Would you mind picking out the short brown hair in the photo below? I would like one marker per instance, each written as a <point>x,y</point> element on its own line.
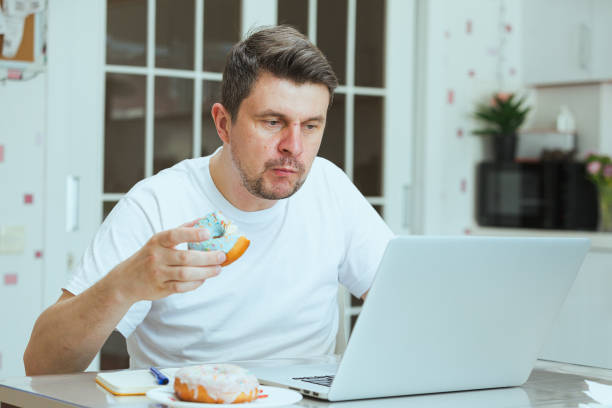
<point>280,50</point>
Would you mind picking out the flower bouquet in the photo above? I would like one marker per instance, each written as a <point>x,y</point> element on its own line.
<point>599,171</point>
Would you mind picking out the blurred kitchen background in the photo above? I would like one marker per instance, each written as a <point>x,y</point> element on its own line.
<point>97,95</point>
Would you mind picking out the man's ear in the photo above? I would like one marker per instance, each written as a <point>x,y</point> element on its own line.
<point>223,121</point>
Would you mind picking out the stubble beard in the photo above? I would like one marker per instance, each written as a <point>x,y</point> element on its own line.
<point>255,185</point>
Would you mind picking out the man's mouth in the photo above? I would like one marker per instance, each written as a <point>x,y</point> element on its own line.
<point>284,171</point>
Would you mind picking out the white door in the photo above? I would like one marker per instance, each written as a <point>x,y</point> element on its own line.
<point>154,69</point>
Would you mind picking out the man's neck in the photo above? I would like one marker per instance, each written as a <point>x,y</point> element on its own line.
<point>227,180</point>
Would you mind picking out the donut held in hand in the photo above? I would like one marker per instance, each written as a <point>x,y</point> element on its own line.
<point>216,384</point>
<point>225,237</point>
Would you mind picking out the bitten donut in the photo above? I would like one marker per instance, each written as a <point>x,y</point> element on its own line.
<point>216,384</point>
<point>224,237</point>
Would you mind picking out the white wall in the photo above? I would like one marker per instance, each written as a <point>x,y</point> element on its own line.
<point>23,139</point>
<point>468,50</point>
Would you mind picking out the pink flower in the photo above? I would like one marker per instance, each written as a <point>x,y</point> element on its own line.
<point>607,171</point>
<point>594,167</point>
<point>503,96</point>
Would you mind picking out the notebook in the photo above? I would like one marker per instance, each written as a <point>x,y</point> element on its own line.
<point>131,382</point>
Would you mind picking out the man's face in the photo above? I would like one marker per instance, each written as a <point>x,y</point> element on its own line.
<point>277,134</point>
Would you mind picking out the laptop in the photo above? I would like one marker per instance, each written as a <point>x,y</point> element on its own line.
<point>447,314</point>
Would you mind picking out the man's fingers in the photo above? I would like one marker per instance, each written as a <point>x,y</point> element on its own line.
<point>191,223</point>
<point>181,287</point>
<point>175,236</point>
<point>178,257</point>
<point>191,273</point>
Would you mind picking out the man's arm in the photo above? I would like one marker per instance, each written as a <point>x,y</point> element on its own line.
<point>67,336</point>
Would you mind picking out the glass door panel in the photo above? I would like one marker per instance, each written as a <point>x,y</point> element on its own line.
<point>210,139</point>
<point>124,132</point>
<point>369,43</point>
<point>368,149</point>
<point>221,31</point>
<point>107,207</point>
<point>331,34</point>
<point>294,13</point>
<point>333,143</point>
<point>126,32</point>
<point>174,34</point>
<point>173,140</point>
<point>379,210</point>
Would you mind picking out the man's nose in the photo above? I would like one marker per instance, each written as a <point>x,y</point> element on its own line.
<point>291,142</point>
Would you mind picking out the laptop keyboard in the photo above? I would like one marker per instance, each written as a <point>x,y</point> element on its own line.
<point>324,380</point>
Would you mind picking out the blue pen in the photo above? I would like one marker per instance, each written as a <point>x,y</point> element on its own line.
<point>159,376</point>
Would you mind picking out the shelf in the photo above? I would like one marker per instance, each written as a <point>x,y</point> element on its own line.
<point>600,241</point>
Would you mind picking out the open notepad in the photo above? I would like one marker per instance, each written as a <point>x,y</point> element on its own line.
<point>131,382</point>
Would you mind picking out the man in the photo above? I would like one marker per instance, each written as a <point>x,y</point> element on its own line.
<point>177,306</point>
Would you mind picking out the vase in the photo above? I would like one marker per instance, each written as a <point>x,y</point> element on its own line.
<point>605,208</point>
<point>504,147</point>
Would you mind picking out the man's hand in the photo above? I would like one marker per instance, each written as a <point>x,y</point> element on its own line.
<point>158,269</point>
<point>67,335</point>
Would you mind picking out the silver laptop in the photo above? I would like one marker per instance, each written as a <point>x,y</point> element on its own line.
<point>447,314</point>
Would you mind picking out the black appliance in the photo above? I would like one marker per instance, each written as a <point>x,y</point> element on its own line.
<point>550,195</point>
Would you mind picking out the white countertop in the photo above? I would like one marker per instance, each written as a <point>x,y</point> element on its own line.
<point>549,385</point>
<point>600,241</point>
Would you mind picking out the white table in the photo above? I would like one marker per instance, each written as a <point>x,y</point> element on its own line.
<point>550,385</point>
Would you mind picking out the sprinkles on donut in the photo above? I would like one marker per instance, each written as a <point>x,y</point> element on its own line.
<point>216,384</point>
<point>225,237</point>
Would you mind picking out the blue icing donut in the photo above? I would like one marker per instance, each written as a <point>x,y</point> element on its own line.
<point>223,233</point>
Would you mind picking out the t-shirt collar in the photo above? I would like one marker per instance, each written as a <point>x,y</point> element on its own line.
<point>233,213</point>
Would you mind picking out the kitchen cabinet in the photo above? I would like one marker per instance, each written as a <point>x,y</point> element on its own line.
<point>567,41</point>
<point>602,34</point>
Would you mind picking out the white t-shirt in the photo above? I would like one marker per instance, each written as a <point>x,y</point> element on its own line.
<point>278,300</point>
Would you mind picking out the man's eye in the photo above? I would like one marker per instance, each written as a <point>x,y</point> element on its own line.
<point>311,127</point>
<point>273,122</point>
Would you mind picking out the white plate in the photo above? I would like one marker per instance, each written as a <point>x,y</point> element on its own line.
<point>275,397</point>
